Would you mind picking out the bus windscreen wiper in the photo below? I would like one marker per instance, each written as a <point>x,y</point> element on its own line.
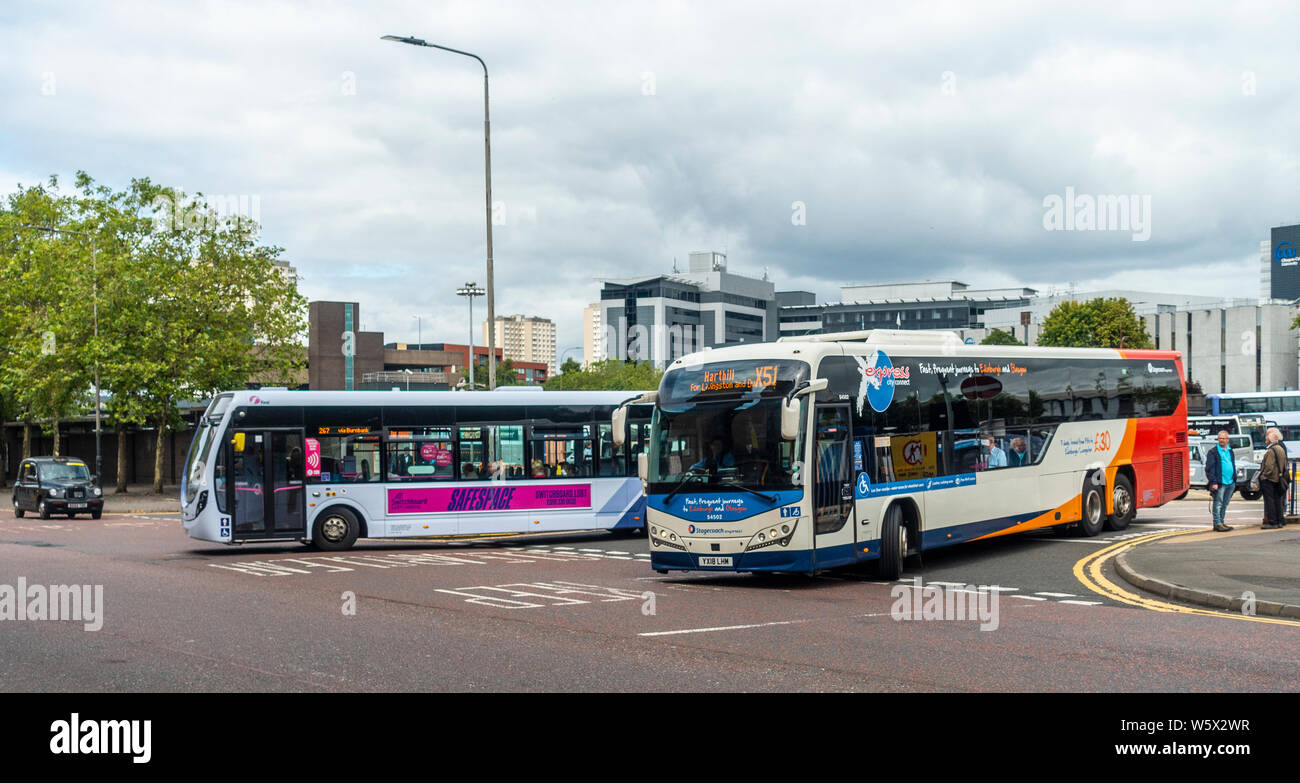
<point>734,485</point>
<point>689,475</point>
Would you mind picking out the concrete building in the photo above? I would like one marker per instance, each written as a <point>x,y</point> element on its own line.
<point>949,305</point>
<point>661,317</point>
<point>592,344</point>
<point>525,339</point>
<point>1235,346</point>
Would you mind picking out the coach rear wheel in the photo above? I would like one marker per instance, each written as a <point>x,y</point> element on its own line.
<point>1124,509</point>
<point>1094,510</point>
<point>335,530</point>
<point>893,544</point>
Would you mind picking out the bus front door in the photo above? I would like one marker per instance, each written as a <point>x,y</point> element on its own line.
<point>833,530</point>
<point>267,487</point>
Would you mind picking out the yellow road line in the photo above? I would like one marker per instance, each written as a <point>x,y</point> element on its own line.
<point>1089,572</point>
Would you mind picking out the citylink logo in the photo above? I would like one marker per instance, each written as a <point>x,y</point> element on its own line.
<point>1284,254</point>
<point>1154,370</point>
<point>879,377</point>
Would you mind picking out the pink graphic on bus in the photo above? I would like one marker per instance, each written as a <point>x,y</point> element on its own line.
<point>498,497</point>
<point>313,458</point>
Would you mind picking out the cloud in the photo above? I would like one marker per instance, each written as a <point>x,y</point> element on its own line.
<point>920,139</point>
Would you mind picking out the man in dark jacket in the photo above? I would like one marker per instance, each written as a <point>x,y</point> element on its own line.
<point>1221,477</point>
<point>1273,479</point>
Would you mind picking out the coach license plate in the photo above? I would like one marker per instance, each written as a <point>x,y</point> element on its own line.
<point>76,505</point>
<point>715,561</point>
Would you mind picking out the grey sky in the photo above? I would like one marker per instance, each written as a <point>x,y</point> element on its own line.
<point>922,139</point>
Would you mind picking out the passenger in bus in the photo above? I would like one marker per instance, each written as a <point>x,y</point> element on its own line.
<point>995,456</point>
<point>1018,457</point>
<point>539,470</point>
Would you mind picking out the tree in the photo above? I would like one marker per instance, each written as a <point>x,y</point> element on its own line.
<point>506,375</point>
<point>570,365</point>
<point>188,303</point>
<point>999,337</point>
<point>610,374</point>
<point>1096,323</point>
<point>45,321</point>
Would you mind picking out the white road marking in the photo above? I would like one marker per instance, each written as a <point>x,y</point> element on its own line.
<point>1055,595</point>
<point>723,628</point>
<point>1082,603</point>
<point>1029,597</point>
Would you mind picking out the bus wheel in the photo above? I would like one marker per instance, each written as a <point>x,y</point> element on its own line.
<point>1094,510</point>
<point>335,530</point>
<point>1125,508</point>
<point>893,544</point>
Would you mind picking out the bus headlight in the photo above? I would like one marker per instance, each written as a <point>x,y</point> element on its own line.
<point>772,537</point>
<point>664,537</point>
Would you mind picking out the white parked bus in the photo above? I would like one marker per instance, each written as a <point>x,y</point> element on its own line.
<point>329,467</point>
<point>825,451</point>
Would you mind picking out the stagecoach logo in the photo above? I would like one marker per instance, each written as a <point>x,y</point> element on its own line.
<point>879,377</point>
<point>1151,368</point>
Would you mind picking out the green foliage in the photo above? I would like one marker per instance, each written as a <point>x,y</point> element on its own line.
<point>188,304</point>
<point>1096,323</point>
<point>610,374</point>
<point>570,365</point>
<point>506,375</point>
<point>999,337</point>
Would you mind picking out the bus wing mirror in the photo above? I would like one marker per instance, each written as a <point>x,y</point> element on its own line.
<point>790,409</point>
<point>620,426</point>
<point>643,468</point>
<point>619,419</point>
<point>790,419</point>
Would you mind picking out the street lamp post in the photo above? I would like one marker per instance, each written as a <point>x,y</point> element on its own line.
<point>487,166</point>
<point>419,331</point>
<point>471,290</point>
<point>94,303</point>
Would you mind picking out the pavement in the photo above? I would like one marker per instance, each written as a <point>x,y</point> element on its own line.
<point>1218,570</point>
<point>141,499</point>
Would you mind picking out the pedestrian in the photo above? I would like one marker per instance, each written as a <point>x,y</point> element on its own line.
<point>1274,476</point>
<point>1221,476</point>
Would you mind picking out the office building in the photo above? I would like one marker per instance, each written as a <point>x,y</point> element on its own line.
<point>664,316</point>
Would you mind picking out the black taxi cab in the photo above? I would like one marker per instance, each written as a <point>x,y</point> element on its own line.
<point>57,485</point>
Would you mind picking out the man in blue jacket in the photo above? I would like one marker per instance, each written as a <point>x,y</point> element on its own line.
<point>1221,476</point>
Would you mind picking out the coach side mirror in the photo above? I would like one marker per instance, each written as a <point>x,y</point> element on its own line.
<point>790,410</point>
<point>619,433</point>
<point>643,467</point>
